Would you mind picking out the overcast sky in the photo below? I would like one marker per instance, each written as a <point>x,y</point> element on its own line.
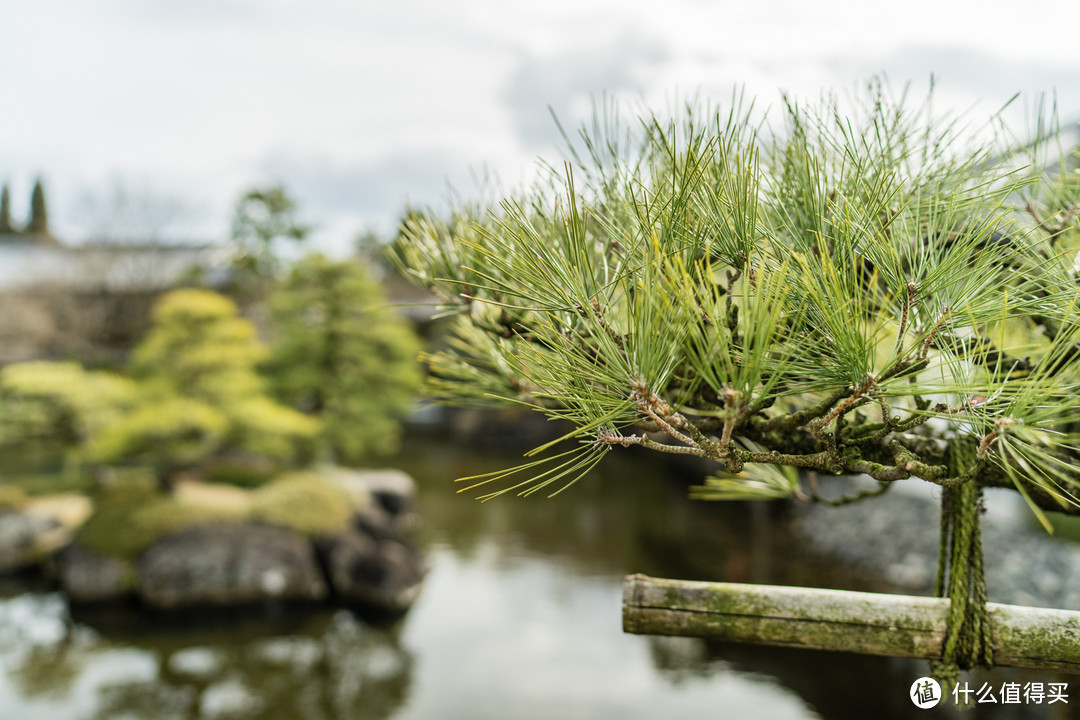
<point>359,107</point>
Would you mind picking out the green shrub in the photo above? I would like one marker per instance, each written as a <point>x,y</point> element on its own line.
<point>263,427</point>
<point>199,393</point>
<point>174,431</point>
<point>245,471</point>
<point>60,400</point>
<point>11,497</point>
<point>130,517</point>
<point>304,502</point>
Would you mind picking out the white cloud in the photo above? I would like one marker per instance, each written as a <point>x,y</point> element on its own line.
<point>204,94</point>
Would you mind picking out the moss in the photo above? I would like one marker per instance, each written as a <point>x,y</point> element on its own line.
<point>246,472</point>
<point>11,497</point>
<point>130,517</point>
<point>304,502</point>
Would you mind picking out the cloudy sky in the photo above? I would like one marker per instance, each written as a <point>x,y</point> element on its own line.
<point>151,116</point>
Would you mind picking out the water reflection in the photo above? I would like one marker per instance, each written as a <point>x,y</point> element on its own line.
<point>329,665</point>
<point>519,619</point>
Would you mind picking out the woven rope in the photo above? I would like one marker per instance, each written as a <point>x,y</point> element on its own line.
<point>961,573</point>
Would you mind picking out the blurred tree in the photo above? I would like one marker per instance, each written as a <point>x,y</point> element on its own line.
<point>264,219</point>
<point>61,402</point>
<point>5,211</point>
<point>343,356</point>
<point>39,214</point>
<point>200,394</point>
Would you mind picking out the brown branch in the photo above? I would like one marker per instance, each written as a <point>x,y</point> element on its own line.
<point>611,438</point>
<point>860,392</point>
<point>909,301</point>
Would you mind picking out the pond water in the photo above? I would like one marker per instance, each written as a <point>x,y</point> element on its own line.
<point>519,618</point>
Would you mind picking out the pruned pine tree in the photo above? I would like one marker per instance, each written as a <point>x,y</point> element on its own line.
<point>881,292</point>
<point>200,395</point>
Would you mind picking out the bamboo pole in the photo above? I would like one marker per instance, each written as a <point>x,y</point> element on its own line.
<point>866,623</point>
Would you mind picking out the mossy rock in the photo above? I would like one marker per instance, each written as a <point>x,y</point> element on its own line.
<point>130,517</point>
<point>305,502</point>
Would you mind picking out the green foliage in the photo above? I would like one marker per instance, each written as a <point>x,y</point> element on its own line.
<point>60,401</point>
<point>129,517</point>
<point>199,347</point>
<point>11,497</point>
<point>244,471</point>
<point>810,298</point>
<point>5,211</point>
<point>304,502</point>
<point>39,215</point>
<point>200,393</point>
<point>133,514</point>
<point>343,356</point>
<point>173,431</point>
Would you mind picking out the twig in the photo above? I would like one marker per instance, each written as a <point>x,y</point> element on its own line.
<point>730,419</point>
<point>861,391</point>
<point>652,406</point>
<point>912,293</point>
<point>990,437</point>
<point>613,438</point>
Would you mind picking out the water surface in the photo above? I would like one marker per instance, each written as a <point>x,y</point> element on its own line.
<point>519,619</point>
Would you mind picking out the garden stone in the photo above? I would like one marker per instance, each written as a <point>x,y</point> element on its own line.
<point>373,568</point>
<point>88,577</point>
<point>26,540</point>
<point>229,565</point>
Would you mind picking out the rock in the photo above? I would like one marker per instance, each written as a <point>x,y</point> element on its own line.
<point>88,577</point>
<point>68,509</point>
<point>375,570</point>
<point>392,489</point>
<point>386,497</point>
<point>374,565</point>
<point>27,539</point>
<point>229,565</point>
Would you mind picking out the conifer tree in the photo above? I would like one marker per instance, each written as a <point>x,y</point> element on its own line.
<point>39,214</point>
<point>5,211</point>
<point>199,393</point>
<point>341,355</point>
<point>874,292</point>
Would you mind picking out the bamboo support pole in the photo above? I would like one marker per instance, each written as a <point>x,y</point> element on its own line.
<point>867,623</point>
